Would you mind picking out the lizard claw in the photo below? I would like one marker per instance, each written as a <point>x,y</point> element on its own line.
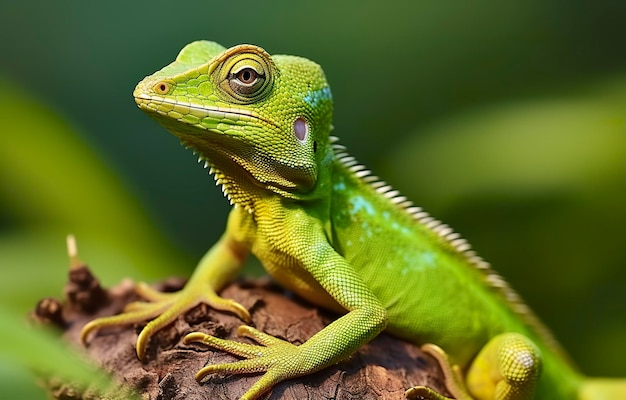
<point>277,358</point>
<point>164,308</point>
<point>452,377</point>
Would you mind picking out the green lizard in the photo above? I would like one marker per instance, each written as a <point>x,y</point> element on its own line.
<point>325,228</point>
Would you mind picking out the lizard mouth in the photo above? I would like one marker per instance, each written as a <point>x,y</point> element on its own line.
<point>207,117</point>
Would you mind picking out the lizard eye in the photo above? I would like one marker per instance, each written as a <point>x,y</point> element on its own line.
<point>243,74</point>
<point>246,81</point>
<point>247,76</point>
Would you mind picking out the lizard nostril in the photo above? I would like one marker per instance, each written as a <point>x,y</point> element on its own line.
<point>161,88</point>
<point>300,129</point>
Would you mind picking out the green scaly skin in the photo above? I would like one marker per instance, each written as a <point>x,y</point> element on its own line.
<point>327,230</point>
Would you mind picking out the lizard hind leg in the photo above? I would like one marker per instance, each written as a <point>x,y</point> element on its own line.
<point>507,368</point>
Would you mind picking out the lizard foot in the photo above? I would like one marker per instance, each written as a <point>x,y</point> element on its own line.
<point>277,358</point>
<point>164,308</point>
<point>452,377</point>
<point>424,393</point>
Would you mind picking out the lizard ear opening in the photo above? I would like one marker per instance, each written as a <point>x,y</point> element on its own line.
<point>300,129</point>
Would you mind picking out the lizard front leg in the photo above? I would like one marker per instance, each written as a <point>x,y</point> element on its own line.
<point>507,368</point>
<point>279,360</point>
<point>218,267</point>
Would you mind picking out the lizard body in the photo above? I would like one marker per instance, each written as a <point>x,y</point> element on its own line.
<point>328,230</point>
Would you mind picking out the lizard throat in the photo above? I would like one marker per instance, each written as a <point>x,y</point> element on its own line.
<point>243,189</point>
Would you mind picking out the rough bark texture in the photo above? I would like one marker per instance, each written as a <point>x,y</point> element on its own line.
<point>382,369</point>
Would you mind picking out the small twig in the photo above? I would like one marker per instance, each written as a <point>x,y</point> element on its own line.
<point>72,252</point>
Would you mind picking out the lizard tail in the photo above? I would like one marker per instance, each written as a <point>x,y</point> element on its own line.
<point>603,389</point>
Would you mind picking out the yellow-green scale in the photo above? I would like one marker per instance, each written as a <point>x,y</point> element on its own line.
<point>409,267</point>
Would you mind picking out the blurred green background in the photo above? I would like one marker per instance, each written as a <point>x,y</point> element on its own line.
<point>505,119</point>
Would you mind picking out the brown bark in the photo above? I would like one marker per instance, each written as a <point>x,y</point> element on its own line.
<point>382,369</point>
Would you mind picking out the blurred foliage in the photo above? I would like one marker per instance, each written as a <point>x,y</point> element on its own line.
<point>539,188</point>
<point>504,119</point>
<point>51,184</point>
<point>40,352</point>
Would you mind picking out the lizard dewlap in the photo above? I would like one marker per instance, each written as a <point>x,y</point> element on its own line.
<point>327,229</point>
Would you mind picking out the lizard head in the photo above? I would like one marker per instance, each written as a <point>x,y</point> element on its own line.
<point>256,119</point>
